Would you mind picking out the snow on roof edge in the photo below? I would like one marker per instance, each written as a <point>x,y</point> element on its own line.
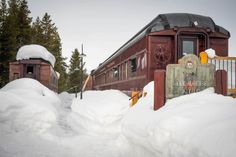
<point>35,51</point>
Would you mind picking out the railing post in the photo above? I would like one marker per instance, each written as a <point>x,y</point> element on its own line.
<point>221,82</point>
<point>159,88</point>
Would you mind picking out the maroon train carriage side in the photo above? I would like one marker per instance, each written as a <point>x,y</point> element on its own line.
<point>164,40</point>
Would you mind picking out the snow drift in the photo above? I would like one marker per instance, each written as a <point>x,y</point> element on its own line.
<point>35,51</point>
<point>27,105</point>
<point>197,125</point>
<point>100,110</point>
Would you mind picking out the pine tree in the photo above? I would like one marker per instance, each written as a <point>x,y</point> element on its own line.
<point>15,32</point>
<point>75,70</point>
<point>9,31</point>
<point>37,32</point>
<point>45,33</point>
<point>3,14</point>
<point>60,64</point>
<point>24,24</point>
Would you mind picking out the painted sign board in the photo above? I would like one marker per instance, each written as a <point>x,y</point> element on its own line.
<point>188,76</point>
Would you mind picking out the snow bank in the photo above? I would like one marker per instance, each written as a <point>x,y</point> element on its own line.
<point>35,51</point>
<point>27,105</point>
<point>102,124</point>
<point>198,124</point>
<point>100,110</point>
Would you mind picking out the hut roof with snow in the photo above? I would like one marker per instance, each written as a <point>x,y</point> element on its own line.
<point>35,51</point>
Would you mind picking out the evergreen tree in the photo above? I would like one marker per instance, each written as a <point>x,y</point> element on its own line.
<point>45,34</point>
<point>15,32</point>
<point>24,24</point>
<point>75,70</point>
<point>37,32</point>
<point>60,64</point>
<point>3,14</point>
<point>8,38</point>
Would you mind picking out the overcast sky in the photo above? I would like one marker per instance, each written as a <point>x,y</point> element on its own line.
<point>105,25</point>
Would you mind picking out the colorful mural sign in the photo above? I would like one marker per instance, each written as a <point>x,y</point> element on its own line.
<point>188,76</point>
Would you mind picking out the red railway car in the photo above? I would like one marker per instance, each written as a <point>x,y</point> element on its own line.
<point>163,41</point>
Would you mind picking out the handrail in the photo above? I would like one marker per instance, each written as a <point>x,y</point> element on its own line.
<point>223,58</point>
<point>228,64</point>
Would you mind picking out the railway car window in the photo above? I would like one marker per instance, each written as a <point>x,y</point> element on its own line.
<point>188,47</point>
<point>126,70</point>
<point>133,65</point>
<point>30,69</point>
<point>138,62</point>
<point>116,72</point>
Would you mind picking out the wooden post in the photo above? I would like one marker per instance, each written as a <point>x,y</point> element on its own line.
<point>221,82</point>
<point>159,88</point>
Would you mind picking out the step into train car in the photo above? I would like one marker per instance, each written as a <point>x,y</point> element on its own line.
<point>163,41</point>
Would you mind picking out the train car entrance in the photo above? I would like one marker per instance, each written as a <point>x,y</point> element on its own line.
<point>191,44</point>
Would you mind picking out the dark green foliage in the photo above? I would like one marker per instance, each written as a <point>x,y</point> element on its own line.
<point>75,71</point>
<point>45,34</point>
<point>37,32</point>
<point>8,37</point>
<point>3,67</point>
<point>24,24</point>
<point>16,30</point>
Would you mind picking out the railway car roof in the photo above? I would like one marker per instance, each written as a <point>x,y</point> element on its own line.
<point>169,21</point>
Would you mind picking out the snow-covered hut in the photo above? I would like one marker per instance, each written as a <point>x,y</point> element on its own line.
<point>34,61</point>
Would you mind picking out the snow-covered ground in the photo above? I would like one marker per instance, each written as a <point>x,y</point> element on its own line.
<point>35,121</point>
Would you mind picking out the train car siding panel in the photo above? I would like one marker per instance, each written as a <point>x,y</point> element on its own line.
<point>128,66</point>
<point>161,53</point>
<point>220,45</point>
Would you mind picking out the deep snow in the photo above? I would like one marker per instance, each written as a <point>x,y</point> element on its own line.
<point>35,121</point>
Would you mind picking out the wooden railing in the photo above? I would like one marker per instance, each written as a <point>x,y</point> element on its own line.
<point>228,64</point>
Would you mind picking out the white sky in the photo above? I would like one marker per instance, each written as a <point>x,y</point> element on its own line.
<point>105,25</point>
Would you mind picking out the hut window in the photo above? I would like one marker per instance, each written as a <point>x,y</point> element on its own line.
<point>133,65</point>
<point>15,76</point>
<point>30,69</point>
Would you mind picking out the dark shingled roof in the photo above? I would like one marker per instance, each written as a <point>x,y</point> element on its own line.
<point>167,21</point>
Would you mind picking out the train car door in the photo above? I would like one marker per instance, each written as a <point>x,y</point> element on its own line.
<point>191,44</point>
